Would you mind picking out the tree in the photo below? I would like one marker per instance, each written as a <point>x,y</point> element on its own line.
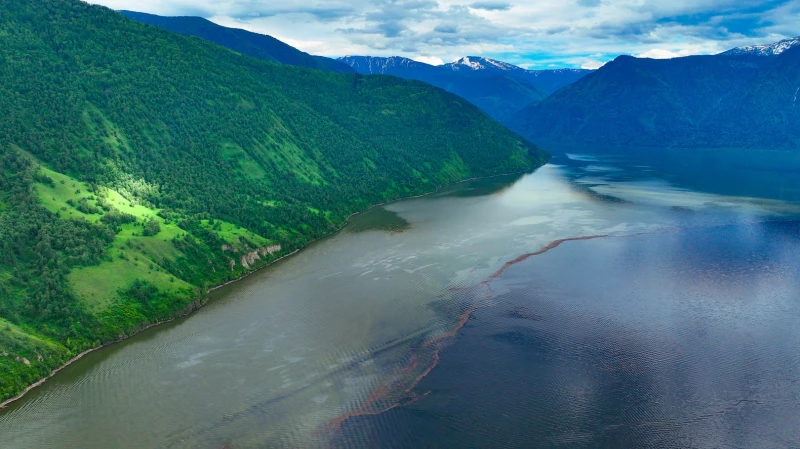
<point>152,227</point>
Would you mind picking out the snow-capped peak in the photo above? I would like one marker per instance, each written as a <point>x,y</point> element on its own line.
<point>478,63</point>
<point>767,49</point>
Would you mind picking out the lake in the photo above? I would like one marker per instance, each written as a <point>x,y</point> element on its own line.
<point>441,321</point>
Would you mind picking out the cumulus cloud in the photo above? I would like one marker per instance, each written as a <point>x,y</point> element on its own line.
<point>592,64</point>
<point>491,6</point>
<point>446,28</point>
<point>432,60</point>
<point>532,33</point>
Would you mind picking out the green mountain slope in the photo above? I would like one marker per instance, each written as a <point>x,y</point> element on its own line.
<point>763,113</point>
<point>138,168</point>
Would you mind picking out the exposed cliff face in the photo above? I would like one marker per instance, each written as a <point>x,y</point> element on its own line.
<point>249,259</point>
<point>271,249</point>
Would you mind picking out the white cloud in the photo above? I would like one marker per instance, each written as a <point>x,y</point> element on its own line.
<point>679,50</point>
<point>432,60</point>
<point>592,64</point>
<point>535,33</point>
<point>660,53</point>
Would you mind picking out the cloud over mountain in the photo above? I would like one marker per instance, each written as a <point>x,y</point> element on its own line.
<point>536,34</point>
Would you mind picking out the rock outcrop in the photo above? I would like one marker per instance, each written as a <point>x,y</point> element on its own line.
<point>249,259</point>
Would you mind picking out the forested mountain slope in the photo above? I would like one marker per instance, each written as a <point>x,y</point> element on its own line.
<point>139,167</point>
<point>762,113</point>
<point>252,44</point>
<point>636,101</point>
<point>498,94</point>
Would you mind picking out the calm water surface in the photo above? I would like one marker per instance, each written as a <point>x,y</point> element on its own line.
<point>677,329</point>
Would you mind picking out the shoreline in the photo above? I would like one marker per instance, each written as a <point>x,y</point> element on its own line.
<point>198,304</point>
<point>193,307</point>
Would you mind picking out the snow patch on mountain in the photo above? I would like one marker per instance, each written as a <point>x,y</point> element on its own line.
<point>478,63</point>
<point>375,65</point>
<point>773,49</point>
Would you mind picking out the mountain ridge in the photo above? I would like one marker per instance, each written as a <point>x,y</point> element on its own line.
<point>772,49</point>
<point>500,91</point>
<point>257,45</point>
<point>496,94</point>
<point>547,80</point>
<point>660,103</point>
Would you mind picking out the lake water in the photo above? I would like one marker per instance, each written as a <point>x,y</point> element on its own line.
<point>420,325</point>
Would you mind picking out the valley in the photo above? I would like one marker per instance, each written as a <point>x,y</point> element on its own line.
<point>212,238</point>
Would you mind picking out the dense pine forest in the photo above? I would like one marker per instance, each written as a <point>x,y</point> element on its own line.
<point>138,168</point>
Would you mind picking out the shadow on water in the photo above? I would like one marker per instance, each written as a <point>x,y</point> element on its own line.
<point>377,219</point>
<point>382,219</point>
<point>479,187</point>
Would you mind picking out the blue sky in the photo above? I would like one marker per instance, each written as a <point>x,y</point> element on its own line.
<point>534,34</point>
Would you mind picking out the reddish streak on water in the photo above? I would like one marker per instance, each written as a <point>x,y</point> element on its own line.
<point>371,405</point>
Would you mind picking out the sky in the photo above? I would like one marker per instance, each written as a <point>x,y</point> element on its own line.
<point>535,34</point>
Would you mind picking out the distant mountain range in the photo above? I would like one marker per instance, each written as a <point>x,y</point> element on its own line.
<point>499,88</point>
<point>548,81</point>
<point>773,49</point>
<point>745,97</point>
<point>251,44</point>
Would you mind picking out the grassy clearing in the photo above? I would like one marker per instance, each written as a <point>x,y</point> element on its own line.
<point>117,200</point>
<point>97,286</point>
<point>56,197</point>
<point>65,190</point>
<point>133,255</point>
<point>157,247</point>
<point>235,235</point>
<point>13,336</point>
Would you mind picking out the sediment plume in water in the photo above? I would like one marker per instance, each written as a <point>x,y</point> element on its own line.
<point>400,391</point>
